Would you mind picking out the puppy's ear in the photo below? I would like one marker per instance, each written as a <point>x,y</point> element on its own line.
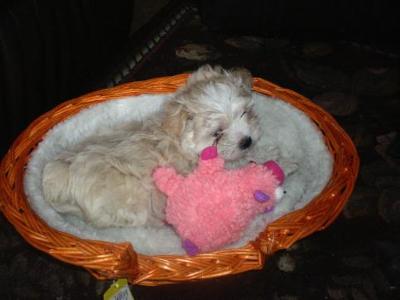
<point>243,78</point>
<point>205,72</point>
<point>176,118</point>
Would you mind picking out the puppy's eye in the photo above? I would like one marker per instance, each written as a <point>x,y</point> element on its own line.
<point>244,113</point>
<point>218,133</point>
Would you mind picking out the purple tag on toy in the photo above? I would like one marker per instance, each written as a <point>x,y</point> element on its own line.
<point>190,248</point>
<point>209,153</point>
<point>261,196</point>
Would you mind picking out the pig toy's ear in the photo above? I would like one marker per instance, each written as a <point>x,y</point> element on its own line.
<point>167,180</point>
<point>209,153</point>
<point>209,161</point>
<point>276,170</point>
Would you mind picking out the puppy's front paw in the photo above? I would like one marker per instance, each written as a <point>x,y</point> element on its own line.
<point>288,166</point>
<point>261,155</point>
<point>273,153</point>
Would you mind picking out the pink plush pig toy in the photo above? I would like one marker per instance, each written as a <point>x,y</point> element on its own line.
<point>212,206</point>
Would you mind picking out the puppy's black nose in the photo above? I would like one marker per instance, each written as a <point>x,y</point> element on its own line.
<point>245,143</point>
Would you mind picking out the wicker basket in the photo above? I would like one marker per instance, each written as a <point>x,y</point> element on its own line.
<point>111,260</point>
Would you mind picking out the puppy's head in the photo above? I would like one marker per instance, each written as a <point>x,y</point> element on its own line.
<point>215,107</point>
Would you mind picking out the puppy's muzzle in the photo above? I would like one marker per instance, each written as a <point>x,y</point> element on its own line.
<point>245,143</point>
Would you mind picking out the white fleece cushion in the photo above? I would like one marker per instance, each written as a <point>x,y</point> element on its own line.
<point>284,126</point>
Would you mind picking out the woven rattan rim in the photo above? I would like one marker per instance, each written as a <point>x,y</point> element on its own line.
<point>110,260</point>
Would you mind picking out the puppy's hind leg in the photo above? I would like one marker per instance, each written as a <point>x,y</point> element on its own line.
<point>55,184</point>
<point>116,200</point>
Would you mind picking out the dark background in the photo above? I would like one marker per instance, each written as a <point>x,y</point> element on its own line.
<point>51,51</point>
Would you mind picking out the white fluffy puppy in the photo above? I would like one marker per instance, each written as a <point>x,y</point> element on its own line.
<point>107,179</point>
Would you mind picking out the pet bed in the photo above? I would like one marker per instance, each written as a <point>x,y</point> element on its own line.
<point>112,260</point>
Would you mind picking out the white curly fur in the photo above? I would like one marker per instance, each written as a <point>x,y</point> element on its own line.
<point>106,178</point>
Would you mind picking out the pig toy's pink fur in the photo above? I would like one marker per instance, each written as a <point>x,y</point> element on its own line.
<point>212,206</point>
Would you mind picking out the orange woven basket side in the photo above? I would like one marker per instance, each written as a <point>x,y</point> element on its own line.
<point>324,208</point>
<point>112,260</point>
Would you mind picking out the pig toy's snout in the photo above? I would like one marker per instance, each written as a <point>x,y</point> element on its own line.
<point>278,193</point>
